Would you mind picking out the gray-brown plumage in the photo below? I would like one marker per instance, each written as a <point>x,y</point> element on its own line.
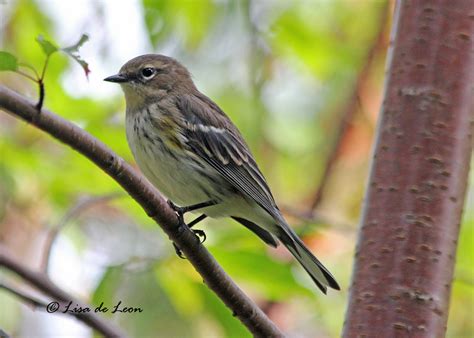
<point>190,150</point>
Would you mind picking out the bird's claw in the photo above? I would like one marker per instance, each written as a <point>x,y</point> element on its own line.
<point>178,251</point>
<point>178,210</point>
<point>174,206</point>
<point>201,234</point>
<point>202,238</point>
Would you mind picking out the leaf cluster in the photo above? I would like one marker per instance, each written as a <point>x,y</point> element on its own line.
<point>9,62</point>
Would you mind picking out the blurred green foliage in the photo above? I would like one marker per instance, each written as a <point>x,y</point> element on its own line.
<point>283,71</point>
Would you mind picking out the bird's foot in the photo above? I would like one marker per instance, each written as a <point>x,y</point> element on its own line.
<point>201,236</point>
<point>183,210</point>
<point>178,251</point>
<point>180,213</point>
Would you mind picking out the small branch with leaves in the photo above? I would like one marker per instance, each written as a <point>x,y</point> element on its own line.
<point>9,62</point>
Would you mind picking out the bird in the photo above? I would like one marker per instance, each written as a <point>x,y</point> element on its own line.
<point>190,150</point>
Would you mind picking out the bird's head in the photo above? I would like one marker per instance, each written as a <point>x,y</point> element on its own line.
<point>151,77</point>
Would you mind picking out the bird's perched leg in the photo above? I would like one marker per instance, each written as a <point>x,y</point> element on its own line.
<point>180,211</point>
<point>199,233</point>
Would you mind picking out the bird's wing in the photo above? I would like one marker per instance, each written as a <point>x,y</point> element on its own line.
<point>212,136</point>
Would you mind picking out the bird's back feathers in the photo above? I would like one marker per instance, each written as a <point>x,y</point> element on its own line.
<point>220,144</point>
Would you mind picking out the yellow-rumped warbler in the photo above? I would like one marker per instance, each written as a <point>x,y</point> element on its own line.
<point>190,150</point>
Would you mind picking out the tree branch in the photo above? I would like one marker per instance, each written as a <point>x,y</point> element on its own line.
<point>3,334</point>
<point>42,282</point>
<point>308,221</point>
<point>350,109</point>
<point>79,207</point>
<point>32,301</point>
<point>153,204</point>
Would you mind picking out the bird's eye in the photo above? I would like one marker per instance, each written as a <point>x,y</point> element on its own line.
<point>148,72</point>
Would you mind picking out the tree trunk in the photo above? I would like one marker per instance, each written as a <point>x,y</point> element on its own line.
<point>410,225</point>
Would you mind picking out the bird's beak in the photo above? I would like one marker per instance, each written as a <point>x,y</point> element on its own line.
<point>118,78</point>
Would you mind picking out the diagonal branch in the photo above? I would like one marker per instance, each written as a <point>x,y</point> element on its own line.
<point>151,202</point>
<point>30,300</point>
<point>352,106</point>
<point>3,334</point>
<point>42,282</point>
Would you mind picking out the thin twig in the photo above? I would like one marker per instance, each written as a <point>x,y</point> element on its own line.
<point>43,72</point>
<point>351,108</point>
<point>309,220</point>
<point>39,105</point>
<point>152,203</point>
<point>26,75</point>
<point>33,69</point>
<point>73,212</point>
<point>35,303</point>
<point>42,282</point>
<point>40,81</point>
<point>3,334</point>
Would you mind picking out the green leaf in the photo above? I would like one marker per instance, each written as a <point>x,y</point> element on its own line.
<point>73,52</point>
<point>47,46</point>
<point>8,61</point>
<point>75,48</point>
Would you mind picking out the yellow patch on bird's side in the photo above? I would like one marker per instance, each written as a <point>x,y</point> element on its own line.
<point>169,130</point>
<point>173,142</point>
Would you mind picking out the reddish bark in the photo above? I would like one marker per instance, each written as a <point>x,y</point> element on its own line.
<point>410,225</point>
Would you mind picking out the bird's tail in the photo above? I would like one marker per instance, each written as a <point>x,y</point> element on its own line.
<point>320,275</point>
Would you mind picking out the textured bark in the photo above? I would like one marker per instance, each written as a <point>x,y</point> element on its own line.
<point>406,249</point>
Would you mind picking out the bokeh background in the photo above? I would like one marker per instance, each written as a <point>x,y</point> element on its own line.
<point>301,79</point>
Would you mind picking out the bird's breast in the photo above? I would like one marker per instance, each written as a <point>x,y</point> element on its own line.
<point>162,158</point>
